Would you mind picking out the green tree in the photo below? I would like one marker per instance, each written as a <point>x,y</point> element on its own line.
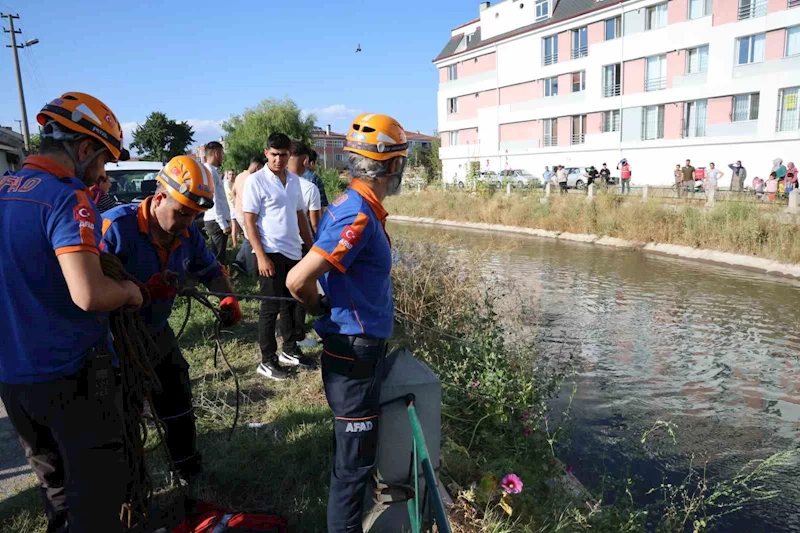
<point>246,134</point>
<point>36,143</point>
<point>161,139</point>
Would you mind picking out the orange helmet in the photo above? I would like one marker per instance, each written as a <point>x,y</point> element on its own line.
<point>86,115</point>
<point>377,137</point>
<point>190,183</point>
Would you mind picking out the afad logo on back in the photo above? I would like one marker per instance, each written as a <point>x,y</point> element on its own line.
<point>85,216</point>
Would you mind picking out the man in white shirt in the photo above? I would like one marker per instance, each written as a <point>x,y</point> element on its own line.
<point>298,163</point>
<point>217,220</point>
<point>276,225</point>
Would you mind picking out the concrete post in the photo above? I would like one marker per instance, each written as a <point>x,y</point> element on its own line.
<point>711,194</point>
<point>508,189</point>
<point>419,187</point>
<point>546,197</point>
<point>591,193</point>
<point>794,199</point>
<point>645,190</point>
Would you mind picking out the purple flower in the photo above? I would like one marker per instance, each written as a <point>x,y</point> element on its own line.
<point>512,484</point>
<point>474,384</point>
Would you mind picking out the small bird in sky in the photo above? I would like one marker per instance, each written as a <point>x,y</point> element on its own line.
<point>358,48</point>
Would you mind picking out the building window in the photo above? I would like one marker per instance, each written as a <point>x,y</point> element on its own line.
<point>656,73</point>
<point>578,81</point>
<point>653,122</point>
<point>699,8</point>
<point>319,143</point>
<point>452,105</point>
<point>694,118</point>
<point>452,72</point>
<point>611,121</point>
<point>788,115</point>
<point>793,41</point>
<point>551,132</point>
<point>750,49</point>
<point>656,17</point>
<point>614,28</point>
<point>542,9</point>
<point>794,3</point>
<point>453,138</point>
<point>470,38</point>
<point>697,60</point>
<point>551,86</point>
<point>550,48</point>
<point>752,8</point>
<point>578,129</point>
<point>745,107</point>
<point>612,74</point>
<point>580,42</point>
<point>338,143</point>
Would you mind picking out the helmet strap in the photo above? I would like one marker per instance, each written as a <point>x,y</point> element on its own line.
<point>80,168</point>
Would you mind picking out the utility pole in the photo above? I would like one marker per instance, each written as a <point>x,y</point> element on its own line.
<point>26,135</point>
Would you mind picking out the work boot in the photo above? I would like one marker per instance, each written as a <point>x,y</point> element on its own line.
<point>272,369</point>
<point>294,357</point>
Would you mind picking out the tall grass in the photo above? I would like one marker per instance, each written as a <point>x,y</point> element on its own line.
<point>737,227</point>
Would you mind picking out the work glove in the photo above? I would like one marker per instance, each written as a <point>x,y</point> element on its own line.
<point>163,286</point>
<point>229,312</point>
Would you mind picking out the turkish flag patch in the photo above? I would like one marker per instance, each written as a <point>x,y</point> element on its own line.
<point>83,213</point>
<point>349,237</point>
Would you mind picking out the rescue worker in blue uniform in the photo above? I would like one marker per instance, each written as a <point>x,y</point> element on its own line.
<point>158,243</point>
<point>352,259</point>
<point>57,377</point>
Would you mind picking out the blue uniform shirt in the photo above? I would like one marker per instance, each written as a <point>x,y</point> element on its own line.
<point>126,234</point>
<point>353,239</point>
<point>44,213</point>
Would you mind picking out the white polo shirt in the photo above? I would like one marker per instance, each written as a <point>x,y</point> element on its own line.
<point>220,213</point>
<point>311,198</point>
<point>276,207</point>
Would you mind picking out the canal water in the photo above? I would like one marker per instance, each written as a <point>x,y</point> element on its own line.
<point>711,349</point>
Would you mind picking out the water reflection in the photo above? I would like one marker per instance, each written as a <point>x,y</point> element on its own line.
<point>709,347</point>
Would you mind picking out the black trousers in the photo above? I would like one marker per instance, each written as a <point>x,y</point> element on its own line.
<point>73,442</point>
<point>352,373</point>
<point>288,327</point>
<point>219,241</point>
<point>173,404</point>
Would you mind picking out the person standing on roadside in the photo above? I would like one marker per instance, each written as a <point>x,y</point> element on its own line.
<point>791,178</point>
<point>245,260</point>
<point>276,225</point>
<point>712,177</point>
<point>562,179</point>
<point>591,175</point>
<point>625,175</point>
<point>352,259</point>
<point>217,219</point>
<point>772,186</point>
<point>739,174</point>
<point>547,176</point>
<point>688,176</point>
<point>298,159</point>
<point>228,182</point>
<point>311,175</point>
<point>605,174</point>
<point>678,176</point>
<point>57,377</point>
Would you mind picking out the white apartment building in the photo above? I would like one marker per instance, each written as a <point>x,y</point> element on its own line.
<point>584,82</point>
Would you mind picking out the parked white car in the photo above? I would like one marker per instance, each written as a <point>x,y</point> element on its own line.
<point>520,178</point>
<point>128,178</point>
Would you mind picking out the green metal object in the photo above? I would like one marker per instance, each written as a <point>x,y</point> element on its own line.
<point>421,456</point>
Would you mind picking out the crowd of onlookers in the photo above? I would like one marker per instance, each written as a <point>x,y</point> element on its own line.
<point>781,181</point>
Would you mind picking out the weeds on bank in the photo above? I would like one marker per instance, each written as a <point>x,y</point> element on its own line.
<point>737,227</point>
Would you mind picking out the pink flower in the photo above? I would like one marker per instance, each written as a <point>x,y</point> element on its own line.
<point>512,484</point>
<point>474,384</point>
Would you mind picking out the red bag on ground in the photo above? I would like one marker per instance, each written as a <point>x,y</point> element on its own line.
<point>212,519</point>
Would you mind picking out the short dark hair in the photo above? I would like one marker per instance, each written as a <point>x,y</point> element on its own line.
<point>312,156</point>
<point>49,145</point>
<point>773,174</point>
<point>258,159</point>
<point>298,148</point>
<point>279,141</point>
<point>213,146</point>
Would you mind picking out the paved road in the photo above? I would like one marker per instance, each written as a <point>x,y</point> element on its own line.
<point>15,474</point>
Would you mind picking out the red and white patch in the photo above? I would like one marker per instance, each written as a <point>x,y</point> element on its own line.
<point>84,215</point>
<point>175,171</point>
<point>349,237</point>
<point>110,120</point>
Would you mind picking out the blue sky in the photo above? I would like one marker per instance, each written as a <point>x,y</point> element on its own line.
<point>205,60</point>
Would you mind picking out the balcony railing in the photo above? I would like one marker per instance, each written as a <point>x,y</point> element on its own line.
<point>577,53</point>
<point>655,84</point>
<point>788,124</point>
<point>794,3</point>
<point>753,10</point>
<point>610,125</point>
<point>550,140</point>
<point>578,138</point>
<point>550,59</point>
<point>611,90</point>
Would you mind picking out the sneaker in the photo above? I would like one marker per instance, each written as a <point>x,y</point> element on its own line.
<point>297,359</point>
<point>236,266</point>
<point>272,371</point>
<point>308,343</point>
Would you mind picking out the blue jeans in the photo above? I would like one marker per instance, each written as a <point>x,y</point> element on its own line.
<point>626,184</point>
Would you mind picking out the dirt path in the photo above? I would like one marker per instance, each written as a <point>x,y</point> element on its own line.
<point>15,474</point>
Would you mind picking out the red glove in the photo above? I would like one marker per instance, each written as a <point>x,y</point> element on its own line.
<point>160,288</point>
<point>230,313</point>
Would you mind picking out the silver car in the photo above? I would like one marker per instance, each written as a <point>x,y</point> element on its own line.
<point>520,178</point>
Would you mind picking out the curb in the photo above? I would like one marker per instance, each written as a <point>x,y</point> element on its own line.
<point>757,264</point>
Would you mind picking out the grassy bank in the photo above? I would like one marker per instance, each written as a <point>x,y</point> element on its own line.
<point>737,227</point>
<point>495,421</point>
